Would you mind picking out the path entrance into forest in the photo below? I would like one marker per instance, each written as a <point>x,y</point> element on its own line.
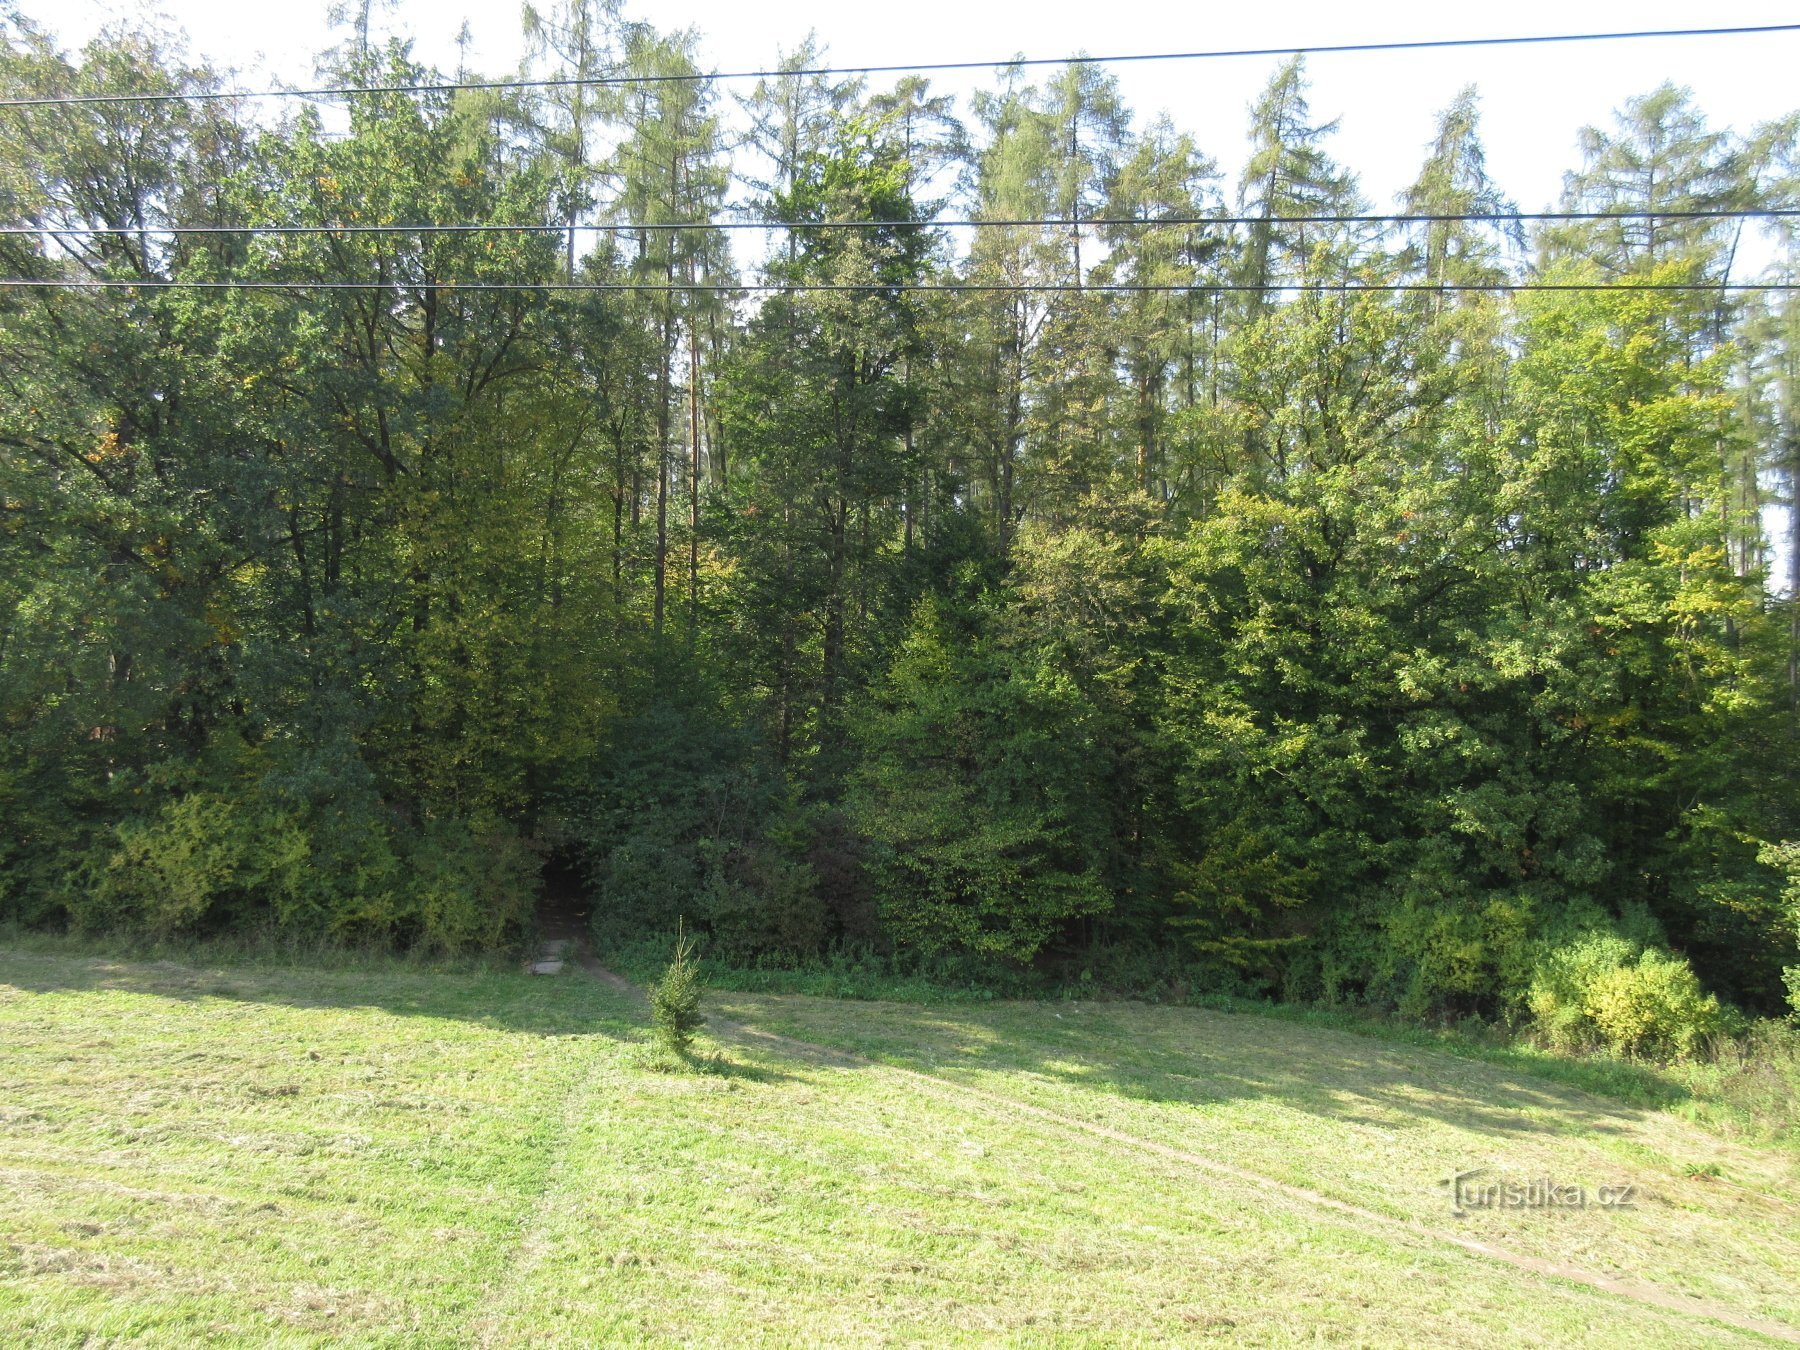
<point>562,919</point>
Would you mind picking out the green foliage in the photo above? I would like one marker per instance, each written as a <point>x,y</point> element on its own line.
<point>686,815</point>
<point>972,788</point>
<point>675,1014</point>
<point>1602,989</point>
<point>205,861</point>
<point>1785,857</point>
<point>1344,644</point>
<point>472,887</point>
<point>171,869</point>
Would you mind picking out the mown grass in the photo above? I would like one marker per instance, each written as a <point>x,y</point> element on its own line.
<point>1745,1088</point>
<point>1370,1123</point>
<point>202,1153</point>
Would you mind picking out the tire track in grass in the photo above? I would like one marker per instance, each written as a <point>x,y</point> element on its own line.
<point>1300,1197</point>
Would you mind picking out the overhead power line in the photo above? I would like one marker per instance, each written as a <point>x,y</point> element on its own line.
<point>1049,222</point>
<point>563,82</point>
<point>1011,288</point>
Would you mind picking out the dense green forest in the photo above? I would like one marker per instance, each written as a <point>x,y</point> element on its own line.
<point>1130,582</point>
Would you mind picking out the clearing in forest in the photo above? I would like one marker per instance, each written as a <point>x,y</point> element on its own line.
<point>224,1154</point>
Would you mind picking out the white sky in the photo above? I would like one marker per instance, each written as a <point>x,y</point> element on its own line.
<point>1534,98</point>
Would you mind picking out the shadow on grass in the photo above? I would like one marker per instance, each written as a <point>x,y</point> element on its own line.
<point>649,1057</point>
<point>718,1066</point>
<point>1153,1053</point>
<point>1202,1058</point>
<point>1752,1100</point>
<point>498,997</point>
<point>1180,1054</point>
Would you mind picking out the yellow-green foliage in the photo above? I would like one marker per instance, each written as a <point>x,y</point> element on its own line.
<point>472,885</point>
<point>204,857</point>
<point>171,867</point>
<point>1603,990</point>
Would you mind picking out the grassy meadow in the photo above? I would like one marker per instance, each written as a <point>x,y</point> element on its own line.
<point>204,1153</point>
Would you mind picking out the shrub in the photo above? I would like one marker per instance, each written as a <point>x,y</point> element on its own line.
<point>332,869</point>
<point>685,814</point>
<point>675,1001</point>
<point>759,902</point>
<point>170,868</point>
<point>1602,990</point>
<point>976,787</point>
<point>473,883</point>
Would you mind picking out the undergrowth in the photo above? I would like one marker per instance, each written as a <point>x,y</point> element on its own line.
<point>260,949</point>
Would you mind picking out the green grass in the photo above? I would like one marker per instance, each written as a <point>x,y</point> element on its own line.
<point>225,1153</point>
<point>1746,1088</point>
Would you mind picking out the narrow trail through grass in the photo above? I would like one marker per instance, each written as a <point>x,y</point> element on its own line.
<point>1307,1199</point>
<point>498,1320</point>
<point>215,1154</point>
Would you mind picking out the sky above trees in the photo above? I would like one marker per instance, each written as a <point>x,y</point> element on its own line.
<point>1534,99</point>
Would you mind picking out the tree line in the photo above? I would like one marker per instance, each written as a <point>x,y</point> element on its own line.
<point>1212,577</point>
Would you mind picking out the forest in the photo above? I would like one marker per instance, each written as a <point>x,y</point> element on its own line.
<point>1049,551</point>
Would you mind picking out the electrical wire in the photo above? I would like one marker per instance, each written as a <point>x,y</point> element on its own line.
<point>1013,288</point>
<point>1048,222</point>
<point>685,77</point>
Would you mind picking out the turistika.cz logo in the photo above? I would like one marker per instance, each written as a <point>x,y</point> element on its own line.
<point>1479,1189</point>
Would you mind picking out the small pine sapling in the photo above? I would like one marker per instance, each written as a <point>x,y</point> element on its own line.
<point>675,1001</point>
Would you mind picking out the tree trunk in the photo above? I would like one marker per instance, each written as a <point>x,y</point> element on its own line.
<point>693,478</point>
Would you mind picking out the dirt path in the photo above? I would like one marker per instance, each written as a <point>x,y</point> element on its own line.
<point>1299,1196</point>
